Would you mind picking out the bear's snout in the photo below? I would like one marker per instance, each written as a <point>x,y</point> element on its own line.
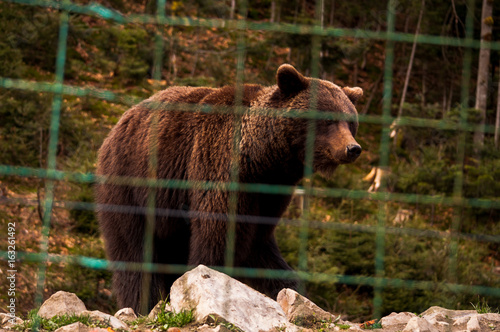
<point>352,152</point>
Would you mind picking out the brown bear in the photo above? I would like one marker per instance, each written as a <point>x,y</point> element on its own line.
<point>190,224</point>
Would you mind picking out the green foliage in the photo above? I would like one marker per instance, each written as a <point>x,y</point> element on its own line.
<point>343,326</point>
<point>372,326</point>
<point>11,63</point>
<point>196,81</point>
<point>34,322</point>
<point>24,131</point>
<point>166,319</point>
<point>24,127</point>
<point>84,218</point>
<point>482,307</point>
<point>29,37</point>
<point>430,176</point>
<point>340,251</point>
<point>132,65</point>
<point>216,320</point>
<point>231,327</point>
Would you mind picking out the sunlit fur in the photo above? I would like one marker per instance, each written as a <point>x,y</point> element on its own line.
<point>190,224</point>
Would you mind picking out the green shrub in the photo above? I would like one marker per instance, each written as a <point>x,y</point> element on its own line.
<point>85,219</point>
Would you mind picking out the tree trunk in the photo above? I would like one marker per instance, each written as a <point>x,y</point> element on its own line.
<point>322,18</point>
<point>497,122</point>
<point>296,14</point>
<point>444,101</point>
<point>332,12</point>
<point>233,9</point>
<point>408,71</point>
<point>372,94</point>
<point>278,15</point>
<point>482,73</point>
<point>450,98</point>
<point>273,9</point>
<point>424,86</point>
<point>355,74</point>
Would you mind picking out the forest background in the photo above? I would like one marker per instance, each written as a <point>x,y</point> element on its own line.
<point>427,83</point>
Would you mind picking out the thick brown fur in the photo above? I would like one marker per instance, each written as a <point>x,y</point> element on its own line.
<point>190,225</point>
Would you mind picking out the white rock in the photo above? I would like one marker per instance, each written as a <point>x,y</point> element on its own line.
<point>451,314</point>
<point>126,315</point>
<point>442,324</point>
<point>397,319</point>
<point>75,327</point>
<point>489,317</point>
<point>8,321</point>
<point>105,318</point>
<point>299,309</point>
<point>208,328</point>
<point>61,303</point>
<point>158,307</point>
<point>463,319</point>
<point>418,324</point>
<point>213,293</point>
<point>437,317</point>
<point>473,325</point>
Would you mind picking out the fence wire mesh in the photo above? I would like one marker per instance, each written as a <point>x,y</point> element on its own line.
<point>50,174</point>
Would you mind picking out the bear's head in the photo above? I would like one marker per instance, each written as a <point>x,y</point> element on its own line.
<point>335,143</point>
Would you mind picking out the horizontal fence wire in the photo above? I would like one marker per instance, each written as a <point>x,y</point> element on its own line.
<point>407,121</point>
<point>100,11</point>
<point>379,282</point>
<point>317,224</point>
<point>247,187</point>
<point>103,264</point>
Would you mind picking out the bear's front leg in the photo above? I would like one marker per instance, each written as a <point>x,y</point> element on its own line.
<point>265,254</point>
<point>208,242</point>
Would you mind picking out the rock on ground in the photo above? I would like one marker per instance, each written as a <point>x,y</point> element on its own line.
<point>158,307</point>
<point>208,328</point>
<point>393,319</point>
<point>217,298</point>
<point>106,318</point>
<point>75,327</point>
<point>300,310</point>
<point>7,321</point>
<point>418,324</point>
<point>61,303</point>
<point>126,315</point>
<point>215,295</point>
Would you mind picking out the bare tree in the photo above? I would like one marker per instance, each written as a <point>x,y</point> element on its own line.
<point>497,121</point>
<point>273,9</point>
<point>332,12</point>
<point>410,65</point>
<point>233,9</point>
<point>483,70</point>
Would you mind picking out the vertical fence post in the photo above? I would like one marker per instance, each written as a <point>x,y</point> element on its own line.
<point>461,142</point>
<point>52,154</point>
<point>384,160</point>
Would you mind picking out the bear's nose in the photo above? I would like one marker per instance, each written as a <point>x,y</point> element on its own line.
<point>353,151</point>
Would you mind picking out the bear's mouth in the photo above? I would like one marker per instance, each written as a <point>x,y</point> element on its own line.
<point>325,169</point>
<point>341,157</point>
<point>325,162</point>
<point>335,156</point>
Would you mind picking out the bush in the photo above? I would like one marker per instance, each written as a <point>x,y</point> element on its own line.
<point>85,220</point>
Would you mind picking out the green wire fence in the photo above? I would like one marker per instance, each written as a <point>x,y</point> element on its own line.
<point>379,282</point>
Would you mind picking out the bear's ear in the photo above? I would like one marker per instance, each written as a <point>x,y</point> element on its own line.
<point>353,93</point>
<point>289,80</point>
